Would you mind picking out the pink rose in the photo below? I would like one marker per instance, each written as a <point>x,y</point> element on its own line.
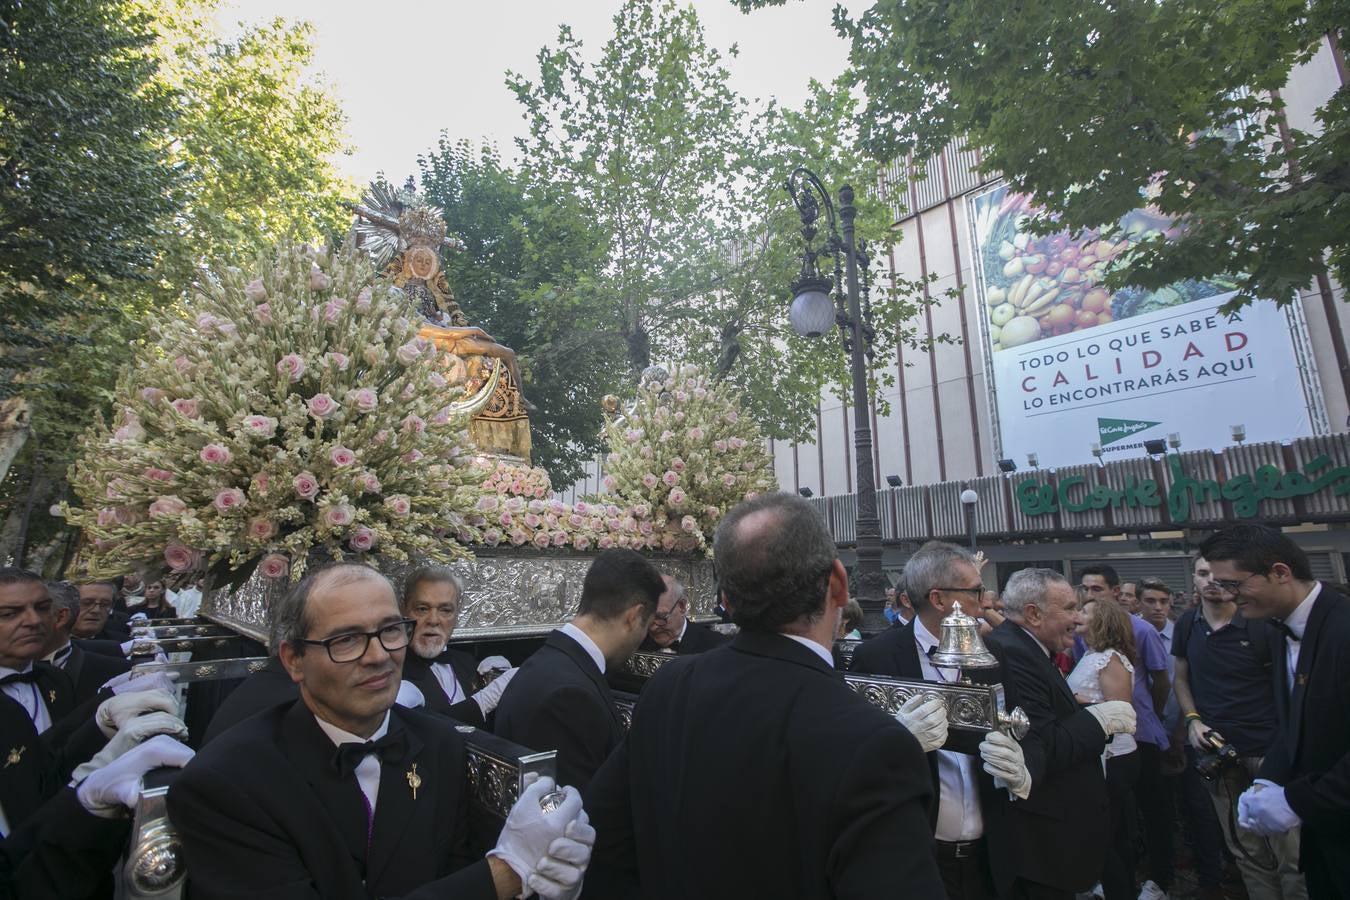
<point>318,281</point>
<point>215,455</point>
<point>542,539</point>
<point>260,483</point>
<point>227,328</point>
<point>321,406</point>
<point>486,504</point>
<point>532,520</point>
<point>728,480</point>
<point>696,433</point>
<point>732,416</point>
<point>381,437</point>
<point>166,506</point>
<point>260,426</point>
<point>677,464</point>
<point>644,527</point>
<point>339,361</point>
<point>183,364</point>
<point>186,407</point>
<point>720,446</point>
<point>649,481</point>
<point>274,566</point>
<point>338,516</point>
<point>152,395</point>
<point>306,486</point>
<point>679,416</point>
<point>341,457</point>
<point>560,539</point>
<point>362,539</point>
<point>492,536</point>
<point>261,529</point>
<point>736,443</point>
<point>363,300</point>
<point>409,391</point>
<point>645,452</point>
<point>633,435</point>
<point>370,483</point>
<point>642,510</point>
<point>576,520</point>
<point>667,542</point>
<point>332,310</point>
<point>689,524</point>
<point>399,505</point>
<point>254,291</point>
<point>713,512</point>
<point>605,542</point>
<point>408,353</point>
<point>581,542</point>
<point>677,497</point>
<point>263,313</point>
<point>506,519</point>
<point>228,499</point>
<point>581,508</point>
<point>131,432</point>
<point>158,474</point>
<point>206,321</point>
<point>182,558</point>
<point>108,517</point>
<point>414,424</point>
<point>700,393</point>
<point>366,399</point>
<point>412,456</point>
<point>437,380</point>
<point>518,537</point>
<point>671,479</point>
<point>292,365</point>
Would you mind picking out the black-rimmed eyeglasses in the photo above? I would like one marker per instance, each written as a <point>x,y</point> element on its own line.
<point>975,593</point>
<point>1229,586</point>
<point>352,645</point>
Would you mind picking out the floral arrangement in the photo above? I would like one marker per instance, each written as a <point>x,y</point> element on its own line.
<point>508,479</point>
<point>684,454</point>
<point>295,409</point>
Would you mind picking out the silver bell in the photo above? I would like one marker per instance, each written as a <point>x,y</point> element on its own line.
<point>960,645</point>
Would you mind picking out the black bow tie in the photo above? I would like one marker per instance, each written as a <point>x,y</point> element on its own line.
<point>29,677</point>
<point>674,646</point>
<point>389,748</point>
<point>1285,630</point>
<point>930,651</point>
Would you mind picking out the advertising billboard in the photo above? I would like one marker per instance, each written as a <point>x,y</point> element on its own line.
<point>1074,367</point>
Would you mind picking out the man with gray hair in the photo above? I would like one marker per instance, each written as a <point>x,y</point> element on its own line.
<point>1053,843</point>
<point>671,630</point>
<point>89,671</point>
<point>755,759</point>
<point>446,676</point>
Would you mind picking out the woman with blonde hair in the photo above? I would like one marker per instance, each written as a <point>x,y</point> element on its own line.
<point>1106,672</point>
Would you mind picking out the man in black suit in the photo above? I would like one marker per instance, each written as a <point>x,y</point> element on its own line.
<point>1053,843</point>
<point>940,577</point>
<point>88,671</point>
<point>94,622</point>
<point>771,777</point>
<point>671,629</point>
<point>340,794</point>
<point>444,675</point>
<point>559,700</point>
<point>1304,780</point>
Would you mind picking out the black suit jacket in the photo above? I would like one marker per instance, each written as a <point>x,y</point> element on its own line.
<point>697,639</point>
<point>418,671</point>
<point>89,670</point>
<point>772,779</point>
<point>263,813</point>
<point>1058,835</point>
<point>102,646</point>
<point>558,700</point>
<point>1310,755</point>
<point>61,852</point>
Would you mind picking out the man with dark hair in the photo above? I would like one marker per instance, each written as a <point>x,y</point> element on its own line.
<point>94,622</point>
<point>559,699</point>
<point>1053,843</point>
<point>341,794</point>
<point>1304,780</point>
<point>942,577</point>
<point>444,675</point>
<point>1129,597</point>
<point>671,629</point>
<point>88,671</point>
<point>769,775</point>
<point>1223,687</point>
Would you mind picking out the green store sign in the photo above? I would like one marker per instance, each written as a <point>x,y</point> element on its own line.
<point>1244,491</point>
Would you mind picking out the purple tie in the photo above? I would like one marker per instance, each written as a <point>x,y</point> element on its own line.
<point>370,819</point>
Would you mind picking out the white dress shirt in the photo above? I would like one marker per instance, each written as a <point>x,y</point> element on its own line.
<point>1298,623</point>
<point>60,656</point>
<point>959,817</point>
<point>586,643</point>
<point>29,696</point>
<point>823,652</point>
<point>445,676</point>
<point>368,770</point>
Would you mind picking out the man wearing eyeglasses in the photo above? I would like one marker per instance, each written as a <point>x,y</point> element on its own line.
<point>671,631</point>
<point>1223,687</point>
<point>87,671</point>
<point>94,623</point>
<point>1303,785</point>
<point>343,796</point>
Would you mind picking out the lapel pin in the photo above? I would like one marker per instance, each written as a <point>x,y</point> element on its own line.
<point>51,696</point>
<point>15,756</point>
<point>1300,679</point>
<point>414,780</point>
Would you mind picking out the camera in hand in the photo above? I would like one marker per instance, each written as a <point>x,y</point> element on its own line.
<point>1219,758</point>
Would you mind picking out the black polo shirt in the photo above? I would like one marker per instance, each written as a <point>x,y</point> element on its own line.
<point>1230,676</point>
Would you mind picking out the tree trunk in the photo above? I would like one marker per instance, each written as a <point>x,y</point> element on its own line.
<point>639,348</point>
<point>14,420</point>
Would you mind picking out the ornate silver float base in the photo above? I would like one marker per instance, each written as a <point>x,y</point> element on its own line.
<point>508,592</point>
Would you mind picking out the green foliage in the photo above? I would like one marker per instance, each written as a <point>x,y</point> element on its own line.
<point>1088,105</point>
<point>525,254</point>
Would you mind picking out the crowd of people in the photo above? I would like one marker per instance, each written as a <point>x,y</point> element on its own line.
<point>749,769</point>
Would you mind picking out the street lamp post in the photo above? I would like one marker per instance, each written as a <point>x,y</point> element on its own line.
<point>968,500</point>
<point>812,314</point>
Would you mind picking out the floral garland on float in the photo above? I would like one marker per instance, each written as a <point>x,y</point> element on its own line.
<point>293,410</point>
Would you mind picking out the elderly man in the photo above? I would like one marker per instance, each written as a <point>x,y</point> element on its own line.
<point>445,676</point>
<point>560,700</point>
<point>939,578</point>
<point>94,622</point>
<point>341,795</point>
<point>671,631</point>
<point>1303,784</point>
<point>88,671</point>
<point>1053,843</point>
<point>771,777</point>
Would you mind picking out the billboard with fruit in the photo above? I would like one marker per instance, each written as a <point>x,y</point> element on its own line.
<point>1075,366</point>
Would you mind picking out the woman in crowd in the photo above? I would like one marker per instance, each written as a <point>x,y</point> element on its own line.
<point>850,624</point>
<point>1106,672</point>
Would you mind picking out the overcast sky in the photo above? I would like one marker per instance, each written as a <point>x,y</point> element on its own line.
<point>405,70</point>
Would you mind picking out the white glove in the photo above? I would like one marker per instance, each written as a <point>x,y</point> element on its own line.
<point>1003,758</point>
<point>1115,716</point>
<point>488,698</point>
<point>126,684</point>
<point>1264,809</point>
<point>926,719</point>
<point>529,833</point>
<point>117,710</point>
<point>493,663</point>
<point>131,735</point>
<point>118,784</point>
<point>410,696</point>
<point>560,872</point>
